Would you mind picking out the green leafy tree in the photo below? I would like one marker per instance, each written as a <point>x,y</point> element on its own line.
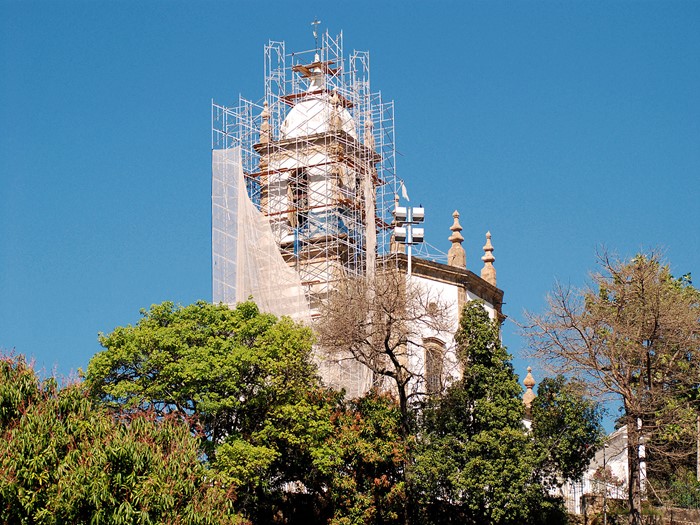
<point>368,454</point>
<point>286,467</point>
<point>475,462</point>
<point>229,367</point>
<point>632,334</point>
<point>566,429</point>
<point>247,377</point>
<point>293,450</point>
<point>64,459</point>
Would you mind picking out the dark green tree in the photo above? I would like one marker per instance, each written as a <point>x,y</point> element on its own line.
<point>475,462</point>
<point>64,459</point>
<point>566,429</point>
<point>367,457</point>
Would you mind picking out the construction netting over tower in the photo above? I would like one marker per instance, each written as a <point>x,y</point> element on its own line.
<point>316,159</point>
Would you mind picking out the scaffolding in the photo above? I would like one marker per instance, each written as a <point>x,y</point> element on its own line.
<point>317,159</point>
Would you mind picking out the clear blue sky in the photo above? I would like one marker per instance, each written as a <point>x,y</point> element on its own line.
<point>559,126</point>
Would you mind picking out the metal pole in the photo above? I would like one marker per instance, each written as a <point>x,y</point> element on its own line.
<point>409,235</point>
<point>605,488</point>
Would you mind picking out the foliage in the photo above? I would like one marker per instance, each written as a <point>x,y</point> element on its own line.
<point>367,486</point>
<point>632,334</point>
<point>65,460</point>
<point>604,477</point>
<point>289,446</point>
<point>684,490</point>
<point>229,367</point>
<point>342,463</point>
<point>247,377</point>
<point>566,428</point>
<point>474,451</point>
<point>289,454</point>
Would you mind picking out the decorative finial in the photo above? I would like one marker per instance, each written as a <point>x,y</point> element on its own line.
<point>456,256</point>
<point>529,396</point>
<point>488,272</point>
<point>529,381</point>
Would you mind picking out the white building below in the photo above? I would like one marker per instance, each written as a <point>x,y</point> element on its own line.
<point>304,191</point>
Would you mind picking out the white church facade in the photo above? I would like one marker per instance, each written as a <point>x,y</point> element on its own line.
<point>305,193</point>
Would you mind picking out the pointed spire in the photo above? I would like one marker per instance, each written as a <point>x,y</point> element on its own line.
<point>456,256</point>
<point>529,396</point>
<point>317,80</point>
<point>488,272</point>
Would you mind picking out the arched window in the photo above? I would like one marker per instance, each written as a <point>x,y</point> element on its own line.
<point>434,361</point>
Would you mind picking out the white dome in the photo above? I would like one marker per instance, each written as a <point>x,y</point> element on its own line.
<point>312,115</point>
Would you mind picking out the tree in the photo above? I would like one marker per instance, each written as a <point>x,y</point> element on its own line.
<point>566,429</point>
<point>64,459</point>
<point>633,334</point>
<point>367,458</point>
<point>229,367</point>
<point>475,461</point>
<point>292,449</point>
<point>247,377</point>
<point>377,321</point>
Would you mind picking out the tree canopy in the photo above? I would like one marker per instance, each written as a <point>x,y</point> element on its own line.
<point>283,442</point>
<point>221,414</point>
<point>566,429</point>
<point>633,334</point>
<point>246,377</point>
<point>64,459</point>
<point>230,367</point>
<point>474,453</point>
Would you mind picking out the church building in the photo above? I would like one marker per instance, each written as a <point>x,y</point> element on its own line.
<point>305,193</point>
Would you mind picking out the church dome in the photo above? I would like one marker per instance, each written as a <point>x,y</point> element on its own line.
<point>313,115</point>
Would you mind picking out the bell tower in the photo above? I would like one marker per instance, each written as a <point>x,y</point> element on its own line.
<point>318,161</point>
<point>317,181</point>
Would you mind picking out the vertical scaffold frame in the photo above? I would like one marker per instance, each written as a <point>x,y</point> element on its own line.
<point>350,230</point>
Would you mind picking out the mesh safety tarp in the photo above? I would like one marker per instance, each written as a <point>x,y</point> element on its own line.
<point>245,257</point>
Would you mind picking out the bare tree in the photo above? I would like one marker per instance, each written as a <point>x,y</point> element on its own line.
<point>633,334</point>
<point>378,321</point>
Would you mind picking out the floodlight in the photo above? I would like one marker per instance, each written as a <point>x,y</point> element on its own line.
<point>400,213</point>
<point>418,235</point>
<point>400,233</point>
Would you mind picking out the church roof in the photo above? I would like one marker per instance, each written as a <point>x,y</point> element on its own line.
<point>312,115</point>
<point>451,274</point>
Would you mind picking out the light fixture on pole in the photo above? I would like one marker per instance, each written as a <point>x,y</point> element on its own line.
<point>405,230</point>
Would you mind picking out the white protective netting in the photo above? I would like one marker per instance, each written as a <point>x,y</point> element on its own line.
<point>246,259</point>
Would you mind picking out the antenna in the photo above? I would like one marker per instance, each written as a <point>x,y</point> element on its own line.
<point>315,23</point>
